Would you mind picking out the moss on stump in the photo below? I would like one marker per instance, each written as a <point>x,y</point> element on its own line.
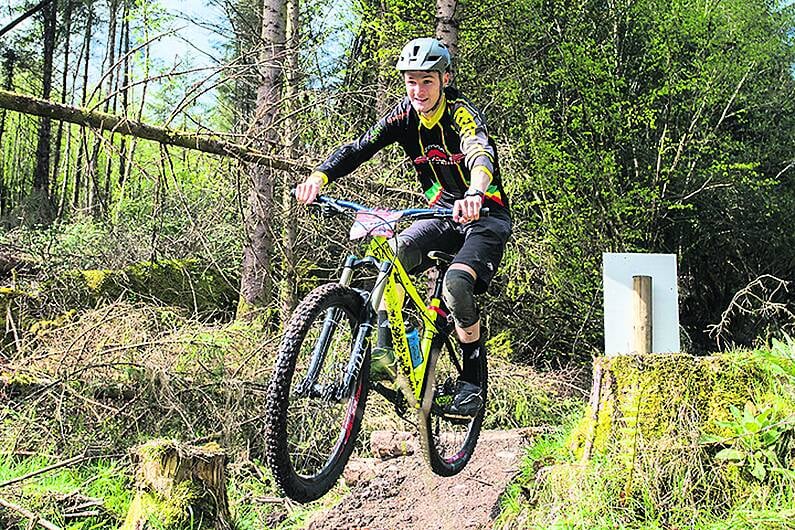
<point>673,441</point>
<point>648,416</point>
<point>179,487</point>
<point>636,400</point>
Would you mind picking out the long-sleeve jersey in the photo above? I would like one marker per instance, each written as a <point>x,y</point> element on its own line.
<point>444,150</point>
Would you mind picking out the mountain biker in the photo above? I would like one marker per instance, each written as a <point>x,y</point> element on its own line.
<point>445,137</point>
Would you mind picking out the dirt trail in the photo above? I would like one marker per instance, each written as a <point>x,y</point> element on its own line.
<point>405,494</point>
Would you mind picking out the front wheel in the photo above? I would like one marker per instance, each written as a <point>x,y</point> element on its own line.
<point>312,422</point>
<point>448,442</point>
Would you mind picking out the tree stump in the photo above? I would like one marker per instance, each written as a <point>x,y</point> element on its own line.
<point>647,407</point>
<point>179,486</point>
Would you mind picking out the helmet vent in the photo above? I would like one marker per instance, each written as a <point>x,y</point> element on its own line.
<point>425,54</point>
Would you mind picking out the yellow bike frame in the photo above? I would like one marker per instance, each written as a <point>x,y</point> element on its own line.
<point>411,378</point>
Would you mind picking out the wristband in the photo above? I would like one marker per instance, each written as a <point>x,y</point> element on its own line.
<point>322,176</point>
<point>472,193</point>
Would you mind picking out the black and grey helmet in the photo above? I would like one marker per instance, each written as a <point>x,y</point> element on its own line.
<point>426,54</point>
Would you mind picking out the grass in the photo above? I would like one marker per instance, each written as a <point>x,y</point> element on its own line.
<point>62,491</point>
<point>252,495</point>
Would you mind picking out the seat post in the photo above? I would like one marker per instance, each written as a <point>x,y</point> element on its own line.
<point>442,261</point>
<point>439,283</point>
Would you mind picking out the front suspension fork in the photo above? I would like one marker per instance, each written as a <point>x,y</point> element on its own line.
<point>309,386</point>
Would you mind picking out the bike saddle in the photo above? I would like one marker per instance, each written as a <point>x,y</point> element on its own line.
<point>441,258</point>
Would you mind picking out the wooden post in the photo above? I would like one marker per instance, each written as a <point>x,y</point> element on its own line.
<point>642,315</point>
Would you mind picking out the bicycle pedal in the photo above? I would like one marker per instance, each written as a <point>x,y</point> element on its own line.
<point>453,419</point>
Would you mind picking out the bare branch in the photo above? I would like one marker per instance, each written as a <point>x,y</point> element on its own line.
<point>108,122</point>
<point>65,463</point>
<point>756,299</point>
<point>35,519</point>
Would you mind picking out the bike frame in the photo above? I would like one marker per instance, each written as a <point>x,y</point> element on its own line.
<point>388,287</point>
<point>391,274</point>
<point>392,278</point>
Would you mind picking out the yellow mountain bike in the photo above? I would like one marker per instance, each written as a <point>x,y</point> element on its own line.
<point>319,386</point>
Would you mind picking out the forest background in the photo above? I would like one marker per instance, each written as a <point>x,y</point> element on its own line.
<point>622,126</point>
<point>144,284</point>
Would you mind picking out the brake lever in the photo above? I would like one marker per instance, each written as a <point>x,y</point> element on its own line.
<point>330,209</point>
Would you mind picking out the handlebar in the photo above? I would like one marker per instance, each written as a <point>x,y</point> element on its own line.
<point>341,206</point>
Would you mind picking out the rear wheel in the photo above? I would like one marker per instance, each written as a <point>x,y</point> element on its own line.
<point>311,428</point>
<point>448,442</point>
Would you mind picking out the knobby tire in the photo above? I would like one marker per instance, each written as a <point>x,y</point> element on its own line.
<point>448,446</point>
<point>288,434</point>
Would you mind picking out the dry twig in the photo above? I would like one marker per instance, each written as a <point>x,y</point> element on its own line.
<point>65,463</point>
<point>758,299</point>
<point>34,518</point>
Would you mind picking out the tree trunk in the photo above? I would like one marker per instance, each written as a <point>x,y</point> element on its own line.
<point>288,291</point>
<point>8,67</point>
<point>125,91</point>
<point>41,176</point>
<point>382,103</point>
<point>256,282</point>
<point>448,14</point>
<point>83,149</point>
<point>179,486</point>
<point>59,135</point>
<point>98,197</point>
<point>114,102</point>
<point>24,16</point>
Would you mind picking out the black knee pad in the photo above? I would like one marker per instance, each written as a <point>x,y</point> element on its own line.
<point>408,253</point>
<point>458,291</point>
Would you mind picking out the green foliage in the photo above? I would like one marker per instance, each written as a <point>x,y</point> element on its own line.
<point>636,126</point>
<point>56,492</point>
<point>759,439</point>
<point>754,438</point>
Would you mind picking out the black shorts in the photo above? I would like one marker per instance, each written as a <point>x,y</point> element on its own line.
<point>479,244</point>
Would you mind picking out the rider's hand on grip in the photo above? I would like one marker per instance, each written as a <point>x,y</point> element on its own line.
<point>468,209</point>
<point>308,190</point>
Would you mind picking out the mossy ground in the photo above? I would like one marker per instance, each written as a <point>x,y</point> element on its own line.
<point>186,284</point>
<point>679,442</point>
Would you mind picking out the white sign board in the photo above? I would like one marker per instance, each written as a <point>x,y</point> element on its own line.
<point>618,270</point>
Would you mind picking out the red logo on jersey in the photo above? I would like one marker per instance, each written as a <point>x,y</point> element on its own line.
<point>436,155</point>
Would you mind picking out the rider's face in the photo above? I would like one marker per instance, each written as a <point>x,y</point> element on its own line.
<point>425,89</point>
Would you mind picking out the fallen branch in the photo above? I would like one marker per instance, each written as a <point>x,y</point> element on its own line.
<point>758,298</point>
<point>69,462</point>
<point>117,124</point>
<point>34,518</point>
<point>77,515</point>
